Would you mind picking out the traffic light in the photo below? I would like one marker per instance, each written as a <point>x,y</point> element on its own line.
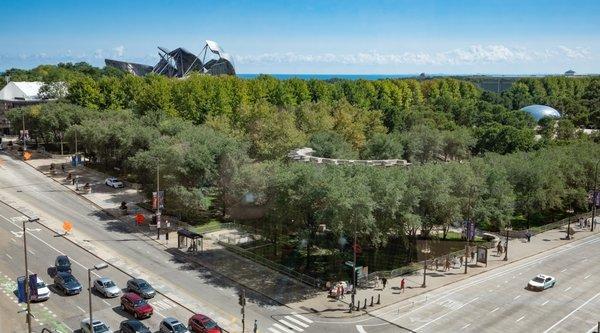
<point>242,298</point>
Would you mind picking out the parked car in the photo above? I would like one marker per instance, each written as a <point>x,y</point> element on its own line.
<point>43,293</point>
<point>67,283</point>
<point>133,326</point>
<point>200,323</point>
<point>99,326</point>
<point>134,304</point>
<point>113,182</point>
<point>541,282</point>
<point>141,287</point>
<point>62,264</point>
<point>107,287</point>
<point>172,325</point>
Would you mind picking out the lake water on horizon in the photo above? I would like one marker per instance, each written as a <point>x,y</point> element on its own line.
<point>332,76</point>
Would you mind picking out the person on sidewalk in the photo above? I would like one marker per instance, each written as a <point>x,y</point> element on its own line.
<point>384,282</point>
<point>499,248</point>
<point>342,291</point>
<point>447,264</point>
<point>376,281</point>
<point>62,167</point>
<point>461,262</point>
<point>437,264</point>
<point>528,235</point>
<point>402,284</point>
<point>472,256</point>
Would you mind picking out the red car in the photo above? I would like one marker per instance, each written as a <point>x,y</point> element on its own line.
<point>200,323</point>
<point>134,304</point>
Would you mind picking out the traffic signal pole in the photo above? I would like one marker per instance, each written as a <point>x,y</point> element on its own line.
<point>242,302</point>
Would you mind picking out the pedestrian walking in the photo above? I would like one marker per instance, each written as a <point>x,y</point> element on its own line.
<point>255,326</point>
<point>62,167</point>
<point>447,264</point>
<point>342,292</point>
<point>580,221</point>
<point>472,256</point>
<point>437,264</point>
<point>499,248</point>
<point>338,291</point>
<point>384,282</point>
<point>402,284</point>
<point>461,261</point>
<point>376,281</point>
<point>528,235</point>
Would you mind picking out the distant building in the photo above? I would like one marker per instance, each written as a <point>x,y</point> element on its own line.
<point>16,94</point>
<point>541,111</point>
<point>570,72</point>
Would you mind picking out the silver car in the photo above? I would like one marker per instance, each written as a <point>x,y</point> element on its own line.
<point>99,326</point>
<point>172,325</point>
<point>107,287</point>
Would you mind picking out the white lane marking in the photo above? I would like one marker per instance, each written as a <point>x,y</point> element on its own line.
<point>296,321</point>
<point>31,251</point>
<point>50,246</point>
<point>467,325</point>
<point>586,259</point>
<point>516,321</point>
<point>513,298</point>
<point>290,325</point>
<point>546,302</point>
<point>82,310</point>
<point>11,258</point>
<point>360,329</point>
<point>302,317</point>
<point>571,313</point>
<point>585,278</point>
<point>568,289</point>
<point>496,309</point>
<point>105,302</point>
<point>593,329</point>
<point>273,330</point>
<point>560,271</point>
<point>447,313</point>
<point>13,240</point>
<point>160,314</point>
<point>283,328</point>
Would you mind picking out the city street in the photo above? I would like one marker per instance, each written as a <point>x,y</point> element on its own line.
<point>494,301</point>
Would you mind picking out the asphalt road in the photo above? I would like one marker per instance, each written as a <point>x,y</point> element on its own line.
<point>494,301</point>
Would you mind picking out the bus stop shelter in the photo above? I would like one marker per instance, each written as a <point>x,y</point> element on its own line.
<point>195,238</point>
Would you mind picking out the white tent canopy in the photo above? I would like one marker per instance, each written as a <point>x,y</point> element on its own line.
<point>14,91</point>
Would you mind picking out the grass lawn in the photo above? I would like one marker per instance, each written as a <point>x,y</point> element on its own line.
<point>211,225</point>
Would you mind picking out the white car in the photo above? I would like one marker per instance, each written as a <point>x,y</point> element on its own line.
<point>113,182</point>
<point>541,282</point>
<point>99,326</point>
<point>43,293</point>
<point>107,287</point>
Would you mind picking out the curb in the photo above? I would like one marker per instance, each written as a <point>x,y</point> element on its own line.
<point>149,238</point>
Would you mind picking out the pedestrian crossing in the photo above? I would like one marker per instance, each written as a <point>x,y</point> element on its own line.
<point>290,324</point>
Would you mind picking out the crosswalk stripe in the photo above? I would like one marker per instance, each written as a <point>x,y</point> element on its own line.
<point>290,325</point>
<point>303,318</point>
<point>290,318</point>
<point>283,328</point>
<point>273,330</point>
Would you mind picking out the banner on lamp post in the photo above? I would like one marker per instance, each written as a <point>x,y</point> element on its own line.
<point>158,200</point>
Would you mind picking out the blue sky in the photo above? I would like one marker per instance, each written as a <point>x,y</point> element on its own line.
<point>345,36</point>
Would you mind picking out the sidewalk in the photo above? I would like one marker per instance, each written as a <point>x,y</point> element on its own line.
<point>277,286</point>
<point>517,249</point>
<point>262,280</point>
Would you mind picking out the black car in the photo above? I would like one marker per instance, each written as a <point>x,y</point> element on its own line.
<point>62,264</point>
<point>67,283</point>
<point>133,326</point>
<point>141,287</point>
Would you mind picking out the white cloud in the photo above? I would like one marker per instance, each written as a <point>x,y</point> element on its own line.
<point>475,54</point>
<point>575,53</point>
<point>119,50</point>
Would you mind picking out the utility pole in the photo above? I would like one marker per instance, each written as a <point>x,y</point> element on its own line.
<point>157,198</point>
<point>27,291</point>
<point>353,273</point>
<point>24,144</point>
<point>467,229</point>
<point>27,298</point>
<point>242,302</point>
<point>96,267</point>
<point>595,193</point>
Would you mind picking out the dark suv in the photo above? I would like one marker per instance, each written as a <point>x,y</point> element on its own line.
<point>67,283</point>
<point>62,264</point>
<point>141,287</point>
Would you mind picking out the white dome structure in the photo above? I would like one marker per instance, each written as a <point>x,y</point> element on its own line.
<point>541,111</point>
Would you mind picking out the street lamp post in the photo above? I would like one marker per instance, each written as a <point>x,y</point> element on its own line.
<point>157,198</point>
<point>508,228</point>
<point>425,250</point>
<point>96,267</point>
<point>469,219</point>
<point>594,196</point>
<point>27,296</point>
<point>353,274</point>
<point>570,211</point>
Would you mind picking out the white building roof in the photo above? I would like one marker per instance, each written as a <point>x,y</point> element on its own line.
<point>21,91</point>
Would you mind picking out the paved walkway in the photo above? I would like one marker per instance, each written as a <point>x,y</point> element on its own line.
<point>280,287</point>
<point>261,280</point>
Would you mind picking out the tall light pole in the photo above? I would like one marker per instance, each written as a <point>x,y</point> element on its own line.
<point>570,211</point>
<point>27,291</point>
<point>353,273</point>
<point>157,198</point>
<point>469,219</point>
<point>24,141</point>
<point>594,196</point>
<point>96,267</point>
<point>508,228</point>
<point>426,250</point>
